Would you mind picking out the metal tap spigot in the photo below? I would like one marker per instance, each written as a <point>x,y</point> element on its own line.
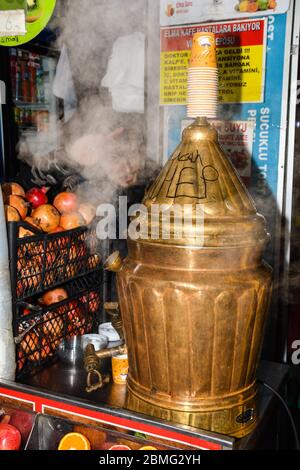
<point>112,309</point>
<point>92,366</point>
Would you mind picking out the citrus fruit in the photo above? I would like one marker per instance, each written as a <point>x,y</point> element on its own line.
<point>119,447</point>
<point>148,448</point>
<point>74,441</point>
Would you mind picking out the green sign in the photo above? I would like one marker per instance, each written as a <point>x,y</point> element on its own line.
<point>13,5</point>
<point>38,15</point>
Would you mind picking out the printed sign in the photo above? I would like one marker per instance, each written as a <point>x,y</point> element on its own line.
<point>12,22</point>
<point>38,15</point>
<point>241,53</point>
<point>262,180</point>
<point>195,11</point>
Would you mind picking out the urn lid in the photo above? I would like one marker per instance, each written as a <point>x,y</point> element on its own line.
<point>200,181</point>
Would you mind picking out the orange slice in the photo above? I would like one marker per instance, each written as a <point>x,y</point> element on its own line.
<point>119,447</point>
<point>74,441</point>
<point>148,448</point>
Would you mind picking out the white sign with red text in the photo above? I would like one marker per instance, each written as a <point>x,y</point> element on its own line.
<point>174,12</point>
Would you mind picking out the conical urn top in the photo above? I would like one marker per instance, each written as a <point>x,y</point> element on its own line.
<point>200,178</point>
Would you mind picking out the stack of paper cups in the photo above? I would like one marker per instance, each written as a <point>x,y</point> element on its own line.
<point>202,92</point>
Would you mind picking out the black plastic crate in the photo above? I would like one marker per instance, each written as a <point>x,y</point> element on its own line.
<point>39,330</point>
<point>43,261</point>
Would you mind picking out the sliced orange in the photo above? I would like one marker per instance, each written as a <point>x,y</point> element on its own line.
<point>74,441</point>
<point>119,447</point>
<point>148,448</point>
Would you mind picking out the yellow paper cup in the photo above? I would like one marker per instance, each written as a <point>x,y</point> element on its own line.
<point>203,52</point>
<point>119,368</point>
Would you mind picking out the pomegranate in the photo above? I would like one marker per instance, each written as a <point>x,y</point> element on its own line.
<point>94,302</point>
<point>30,344</point>
<point>10,437</point>
<point>23,421</point>
<point>87,211</point>
<point>66,203</point>
<point>71,220</point>
<point>11,214</point>
<point>18,203</point>
<point>34,348</point>
<point>119,447</point>
<point>57,230</point>
<point>76,318</point>
<point>10,189</point>
<point>31,221</point>
<point>53,325</point>
<point>37,197</point>
<point>54,296</point>
<point>24,232</point>
<point>47,217</point>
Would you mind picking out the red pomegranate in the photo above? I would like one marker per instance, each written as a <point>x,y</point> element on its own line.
<point>37,197</point>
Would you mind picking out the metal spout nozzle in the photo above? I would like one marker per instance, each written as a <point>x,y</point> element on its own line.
<point>113,262</point>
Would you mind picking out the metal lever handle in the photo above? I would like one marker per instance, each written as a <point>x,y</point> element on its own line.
<point>93,387</point>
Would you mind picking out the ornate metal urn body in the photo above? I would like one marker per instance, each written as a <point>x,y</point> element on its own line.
<point>194,312</point>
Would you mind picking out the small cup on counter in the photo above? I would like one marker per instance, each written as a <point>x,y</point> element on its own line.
<point>119,368</point>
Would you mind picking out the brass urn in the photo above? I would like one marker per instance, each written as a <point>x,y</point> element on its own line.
<point>194,308</point>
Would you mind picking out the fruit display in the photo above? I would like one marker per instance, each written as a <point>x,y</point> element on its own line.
<point>74,441</point>
<point>66,213</point>
<point>53,242</point>
<point>252,6</point>
<point>15,428</point>
<point>59,313</point>
<point>84,437</point>
<point>54,296</point>
<point>37,197</point>
<point>10,437</point>
<point>23,429</point>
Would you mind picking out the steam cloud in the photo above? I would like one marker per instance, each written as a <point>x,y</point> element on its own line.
<point>107,148</point>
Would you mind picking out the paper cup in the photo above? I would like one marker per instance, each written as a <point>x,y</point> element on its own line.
<point>211,115</point>
<point>202,78</point>
<point>203,75</point>
<point>201,91</point>
<point>203,52</point>
<point>119,366</point>
<point>202,70</point>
